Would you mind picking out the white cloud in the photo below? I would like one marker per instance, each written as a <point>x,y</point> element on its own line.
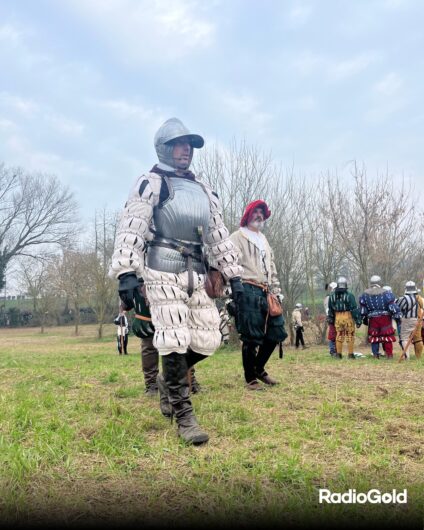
<point>299,14</point>
<point>384,110</point>
<point>308,63</point>
<point>10,34</point>
<point>389,98</point>
<point>17,50</point>
<point>22,105</point>
<point>248,109</point>
<point>7,125</point>
<point>395,4</point>
<point>28,108</point>
<point>390,85</point>
<point>22,152</point>
<point>306,103</point>
<point>65,125</point>
<point>353,66</point>
<point>122,109</point>
<point>144,119</point>
<point>149,31</point>
<point>180,21</point>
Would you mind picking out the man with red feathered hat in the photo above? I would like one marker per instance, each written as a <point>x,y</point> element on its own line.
<point>259,331</point>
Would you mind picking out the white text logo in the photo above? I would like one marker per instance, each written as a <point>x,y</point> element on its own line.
<point>373,496</point>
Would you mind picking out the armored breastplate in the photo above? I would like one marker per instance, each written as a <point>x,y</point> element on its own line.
<point>185,214</point>
<point>183,217</point>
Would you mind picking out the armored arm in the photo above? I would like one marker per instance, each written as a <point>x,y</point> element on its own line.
<point>222,254</point>
<point>133,230</point>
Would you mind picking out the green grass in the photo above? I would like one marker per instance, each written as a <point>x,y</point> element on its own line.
<point>81,442</point>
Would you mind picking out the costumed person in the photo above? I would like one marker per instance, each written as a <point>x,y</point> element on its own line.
<point>343,313</point>
<point>122,331</point>
<point>259,330</point>
<point>298,326</point>
<point>170,222</point>
<point>378,309</point>
<point>331,333</point>
<point>383,344</point>
<point>142,327</point>
<point>411,307</point>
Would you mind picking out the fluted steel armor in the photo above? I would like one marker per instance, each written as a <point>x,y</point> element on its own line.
<point>182,218</point>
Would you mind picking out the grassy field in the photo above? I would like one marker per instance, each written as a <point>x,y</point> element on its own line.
<point>80,442</point>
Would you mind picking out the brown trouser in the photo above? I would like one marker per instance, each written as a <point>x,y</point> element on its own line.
<point>149,361</point>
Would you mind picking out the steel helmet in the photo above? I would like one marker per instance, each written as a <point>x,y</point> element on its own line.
<point>332,286</point>
<point>169,131</point>
<point>387,288</point>
<point>410,288</point>
<point>375,280</point>
<point>298,306</point>
<point>342,282</point>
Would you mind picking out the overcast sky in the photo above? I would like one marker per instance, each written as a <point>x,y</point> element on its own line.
<point>84,84</point>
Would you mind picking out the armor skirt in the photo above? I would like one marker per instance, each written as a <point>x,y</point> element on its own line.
<point>180,321</point>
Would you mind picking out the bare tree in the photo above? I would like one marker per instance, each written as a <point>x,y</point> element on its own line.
<point>35,210</point>
<point>102,290</point>
<point>36,280</point>
<point>328,254</point>
<point>239,175</point>
<point>285,236</point>
<point>71,278</point>
<point>396,238</point>
<point>375,224</point>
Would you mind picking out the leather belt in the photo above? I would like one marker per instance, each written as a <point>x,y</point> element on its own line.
<point>141,317</point>
<point>188,251</point>
<point>263,286</point>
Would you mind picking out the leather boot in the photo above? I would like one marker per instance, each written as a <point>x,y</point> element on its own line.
<point>151,390</point>
<point>164,404</point>
<point>176,377</point>
<point>267,379</point>
<point>195,386</point>
<point>351,356</point>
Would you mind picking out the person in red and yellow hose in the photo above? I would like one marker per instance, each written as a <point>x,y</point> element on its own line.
<point>344,314</point>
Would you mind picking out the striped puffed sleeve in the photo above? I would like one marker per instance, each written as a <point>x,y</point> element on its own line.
<point>134,227</point>
<point>275,282</point>
<point>221,252</point>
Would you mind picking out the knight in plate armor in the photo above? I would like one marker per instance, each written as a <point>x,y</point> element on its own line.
<point>171,230</point>
<point>378,310</point>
